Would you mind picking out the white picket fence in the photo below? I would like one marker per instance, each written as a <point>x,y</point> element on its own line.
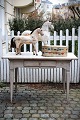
<point>28,75</point>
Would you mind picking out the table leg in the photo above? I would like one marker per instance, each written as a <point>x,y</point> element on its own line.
<point>68,81</point>
<point>16,70</point>
<point>11,83</point>
<point>63,78</point>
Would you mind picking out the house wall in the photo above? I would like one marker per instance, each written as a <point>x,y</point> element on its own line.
<point>2,17</point>
<point>6,12</point>
<point>28,9</point>
<point>65,12</point>
<point>21,3</point>
<point>23,7</point>
<point>9,12</point>
<point>46,9</point>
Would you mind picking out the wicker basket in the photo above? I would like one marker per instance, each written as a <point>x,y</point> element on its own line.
<point>54,51</point>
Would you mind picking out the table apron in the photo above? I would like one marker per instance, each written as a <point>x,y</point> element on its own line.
<point>40,63</point>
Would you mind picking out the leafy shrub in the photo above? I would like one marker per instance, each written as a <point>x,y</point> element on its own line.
<point>66,24</point>
<point>18,24</point>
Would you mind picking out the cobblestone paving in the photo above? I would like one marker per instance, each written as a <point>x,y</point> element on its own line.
<point>39,104</point>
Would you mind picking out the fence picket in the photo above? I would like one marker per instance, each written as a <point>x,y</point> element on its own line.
<point>1,61</point>
<point>79,54</point>
<point>72,63</point>
<point>67,38</point>
<point>12,35</point>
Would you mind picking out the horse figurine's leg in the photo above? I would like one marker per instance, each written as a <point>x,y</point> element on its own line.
<point>35,53</point>
<point>18,47</point>
<point>17,51</point>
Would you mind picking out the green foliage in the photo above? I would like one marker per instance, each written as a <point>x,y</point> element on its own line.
<point>2,85</point>
<point>18,24</point>
<point>66,24</point>
<point>32,24</point>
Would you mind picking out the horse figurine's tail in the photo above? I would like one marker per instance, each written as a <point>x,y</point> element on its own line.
<point>13,45</point>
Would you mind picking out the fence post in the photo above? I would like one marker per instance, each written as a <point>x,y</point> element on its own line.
<point>79,53</point>
<point>73,38</point>
<point>18,33</point>
<point>12,35</point>
<point>1,60</point>
<point>0,52</point>
<point>0,44</point>
<point>55,37</point>
<point>67,37</point>
<point>61,37</point>
<point>7,42</point>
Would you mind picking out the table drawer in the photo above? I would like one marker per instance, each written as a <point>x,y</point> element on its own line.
<point>39,63</point>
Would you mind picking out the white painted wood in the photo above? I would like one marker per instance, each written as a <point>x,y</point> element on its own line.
<point>49,39</point>
<point>30,47</point>
<point>11,83</point>
<point>68,81</point>
<point>1,53</point>
<point>6,63</point>
<point>59,71</point>
<point>73,42</point>
<point>24,47</point>
<point>55,38</point>
<point>39,61</point>
<point>29,55</point>
<point>79,53</point>
<point>61,37</point>
<point>72,63</point>
<point>67,34</point>
<point>64,78</point>
<point>55,69</point>
<point>12,35</point>
<point>2,73</point>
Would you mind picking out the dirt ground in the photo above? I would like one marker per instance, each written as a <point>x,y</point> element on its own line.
<point>50,85</point>
<point>44,85</point>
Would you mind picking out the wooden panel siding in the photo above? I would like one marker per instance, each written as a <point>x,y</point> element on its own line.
<point>39,75</point>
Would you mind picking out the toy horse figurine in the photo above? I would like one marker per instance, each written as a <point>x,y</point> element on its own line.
<point>47,25</point>
<point>46,34</point>
<point>18,41</point>
<point>45,28</point>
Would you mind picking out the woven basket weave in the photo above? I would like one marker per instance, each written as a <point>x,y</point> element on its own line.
<point>54,51</point>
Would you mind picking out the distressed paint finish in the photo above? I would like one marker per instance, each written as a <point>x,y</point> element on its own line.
<point>29,60</point>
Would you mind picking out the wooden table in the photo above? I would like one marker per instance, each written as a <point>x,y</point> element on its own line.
<point>27,59</point>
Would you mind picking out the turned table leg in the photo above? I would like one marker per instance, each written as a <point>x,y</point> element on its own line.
<point>16,70</point>
<point>11,83</point>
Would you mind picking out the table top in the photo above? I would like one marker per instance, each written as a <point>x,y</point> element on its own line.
<point>30,56</point>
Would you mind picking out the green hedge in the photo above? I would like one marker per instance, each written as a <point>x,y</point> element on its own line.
<point>66,24</point>
<point>18,24</point>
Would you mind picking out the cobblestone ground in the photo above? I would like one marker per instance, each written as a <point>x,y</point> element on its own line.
<point>34,103</point>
